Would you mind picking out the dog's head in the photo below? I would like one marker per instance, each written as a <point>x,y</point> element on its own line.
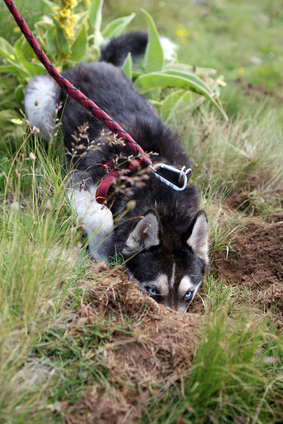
<point>169,264</point>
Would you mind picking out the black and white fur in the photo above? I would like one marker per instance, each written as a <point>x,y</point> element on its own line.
<point>164,238</point>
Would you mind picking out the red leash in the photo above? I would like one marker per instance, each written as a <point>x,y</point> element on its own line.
<point>71,90</point>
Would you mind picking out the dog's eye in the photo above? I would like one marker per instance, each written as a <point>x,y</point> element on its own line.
<point>188,295</point>
<point>152,292</point>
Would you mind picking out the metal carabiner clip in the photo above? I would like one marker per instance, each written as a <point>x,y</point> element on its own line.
<point>171,176</point>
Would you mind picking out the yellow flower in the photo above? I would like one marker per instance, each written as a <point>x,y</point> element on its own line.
<point>69,33</point>
<point>70,3</point>
<point>66,16</point>
<point>12,57</point>
<point>73,17</point>
<point>181,32</point>
<point>17,121</point>
<point>69,25</point>
<point>65,13</point>
<point>241,70</point>
<point>221,82</point>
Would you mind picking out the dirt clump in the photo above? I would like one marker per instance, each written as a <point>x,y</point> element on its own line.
<point>255,261</point>
<point>253,206</point>
<point>256,90</point>
<point>153,347</point>
<point>239,201</point>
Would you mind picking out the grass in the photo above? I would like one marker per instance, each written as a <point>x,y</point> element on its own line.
<point>225,386</point>
<point>53,344</point>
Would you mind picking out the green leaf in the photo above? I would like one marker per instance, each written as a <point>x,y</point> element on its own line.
<point>92,53</point>
<point>51,41</point>
<point>15,69</point>
<point>23,50</point>
<point>95,17</point>
<point>10,132</point>
<point>81,19</point>
<point>21,61</point>
<point>79,46</point>
<point>51,4</point>
<point>19,93</point>
<point>190,77</point>
<point>42,26</point>
<point>153,60</point>
<point>117,26</point>
<point>191,69</point>
<point>62,40</point>
<point>169,103</point>
<point>127,66</point>
<point>162,80</point>
<point>6,49</point>
<point>33,68</point>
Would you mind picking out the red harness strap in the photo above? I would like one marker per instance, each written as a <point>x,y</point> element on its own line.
<point>102,189</point>
<point>110,178</point>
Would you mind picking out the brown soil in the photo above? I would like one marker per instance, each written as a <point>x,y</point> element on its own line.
<point>239,201</point>
<point>255,262</point>
<point>257,90</point>
<point>242,202</point>
<point>156,350</point>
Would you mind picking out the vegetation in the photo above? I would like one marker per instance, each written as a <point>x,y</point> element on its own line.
<point>53,331</point>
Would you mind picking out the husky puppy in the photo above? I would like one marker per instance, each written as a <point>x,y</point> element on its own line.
<point>158,230</point>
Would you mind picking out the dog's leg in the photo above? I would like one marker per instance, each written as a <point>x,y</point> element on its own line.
<point>97,219</point>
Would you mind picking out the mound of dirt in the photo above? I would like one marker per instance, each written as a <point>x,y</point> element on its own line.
<point>156,350</point>
<point>255,261</point>
<point>148,346</point>
<point>239,201</point>
<point>243,202</point>
<point>255,90</point>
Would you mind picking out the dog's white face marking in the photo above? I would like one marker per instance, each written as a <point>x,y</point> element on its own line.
<point>185,285</point>
<point>40,102</point>
<point>172,279</point>
<point>97,220</point>
<point>160,284</point>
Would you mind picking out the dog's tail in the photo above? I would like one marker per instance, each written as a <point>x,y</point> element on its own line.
<point>117,49</point>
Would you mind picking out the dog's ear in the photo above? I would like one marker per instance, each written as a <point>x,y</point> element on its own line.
<point>198,239</point>
<point>144,235</point>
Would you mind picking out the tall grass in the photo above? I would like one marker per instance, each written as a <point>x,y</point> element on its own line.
<point>38,268</point>
<point>230,380</point>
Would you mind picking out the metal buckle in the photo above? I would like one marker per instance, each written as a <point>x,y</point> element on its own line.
<point>182,175</point>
